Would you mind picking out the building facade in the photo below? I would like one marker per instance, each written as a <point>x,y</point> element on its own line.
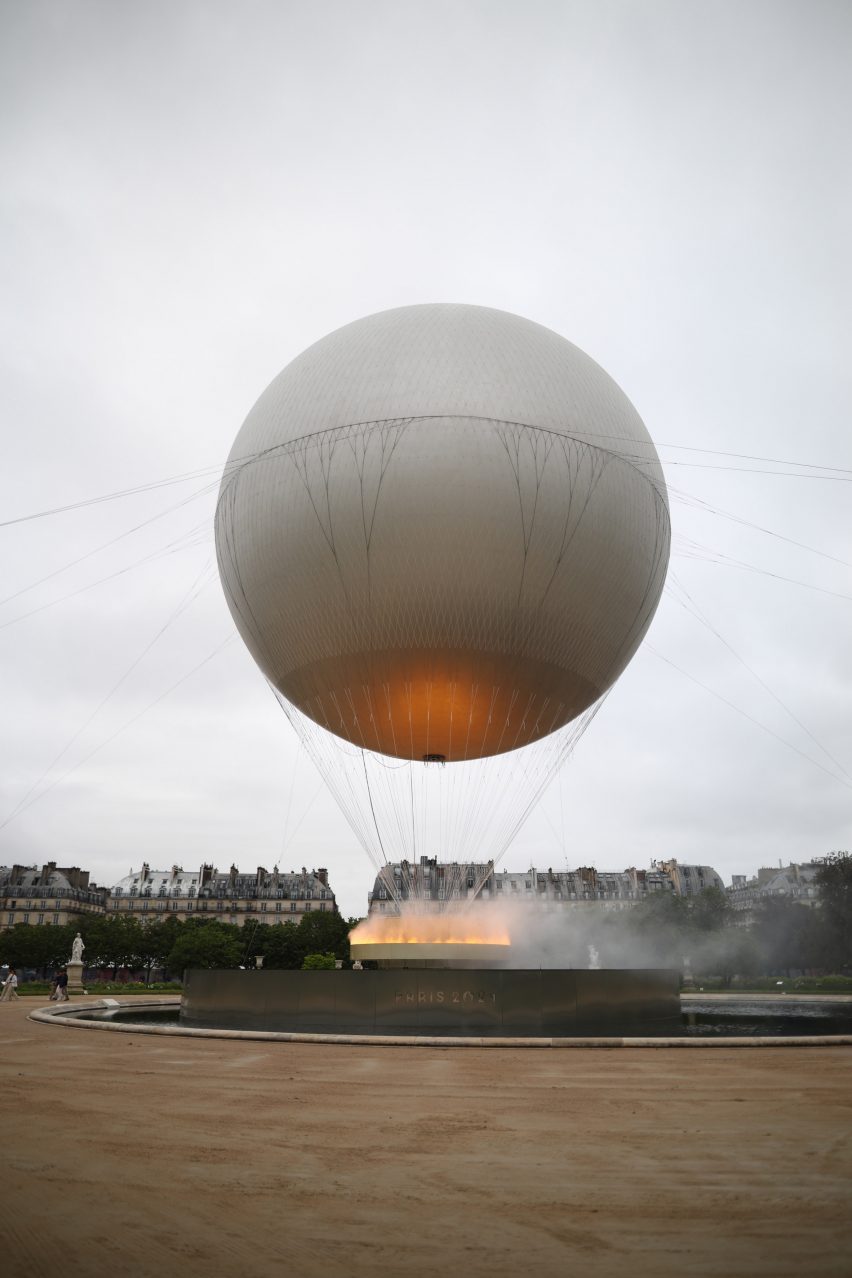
<point>432,884</point>
<point>263,897</point>
<point>47,896</point>
<point>52,896</point>
<point>794,882</point>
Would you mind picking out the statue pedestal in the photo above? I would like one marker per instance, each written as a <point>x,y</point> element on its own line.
<point>75,978</point>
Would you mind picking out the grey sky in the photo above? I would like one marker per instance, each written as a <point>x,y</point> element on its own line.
<point>193,193</point>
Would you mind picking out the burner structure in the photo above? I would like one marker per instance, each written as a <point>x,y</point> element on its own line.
<point>426,954</point>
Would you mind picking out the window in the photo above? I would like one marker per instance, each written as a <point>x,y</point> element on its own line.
<point>56,920</point>
<point>174,905</point>
<point>278,907</point>
<point>11,919</point>
<point>292,907</point>
<point>41,919</point>
<point>26,918</point>
<point>145,904</point>
<point>220,905</point>
<point>115,905</point>
<point>58,905</point>
<point>499,885</point>
<point>323,894</point>
<point>130,905</point>
<point>189,905</point>
<point>322,905</point>
<point>307,906</point>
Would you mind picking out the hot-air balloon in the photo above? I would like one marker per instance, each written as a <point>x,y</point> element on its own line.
<point>442,532</point>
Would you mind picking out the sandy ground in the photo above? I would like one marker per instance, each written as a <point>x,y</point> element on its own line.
<point>135,1155</point>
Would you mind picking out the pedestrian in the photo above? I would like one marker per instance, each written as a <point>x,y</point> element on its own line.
<point>10,987</point>
<point>62,986</point>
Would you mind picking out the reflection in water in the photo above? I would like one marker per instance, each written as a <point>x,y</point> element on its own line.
<point>700,1019</point>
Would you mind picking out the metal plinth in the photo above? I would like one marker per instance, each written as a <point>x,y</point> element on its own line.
<point>431,1002</point>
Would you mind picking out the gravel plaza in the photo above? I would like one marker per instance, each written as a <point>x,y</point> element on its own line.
<point>142,1155</point>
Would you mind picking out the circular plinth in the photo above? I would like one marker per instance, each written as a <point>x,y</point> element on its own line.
<point>474,1003</point>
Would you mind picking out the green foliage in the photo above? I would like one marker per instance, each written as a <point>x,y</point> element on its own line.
<point>318,962</point>
<point>661,925</point>
<point>708,911</point>
<point>97,989</point>
<point>834,881</point>
<point>119,940</point>
<point>286,945</point>
<point>668,929</point>
<point>786,934</point>
<point>324,931</point>
<point>211,945</point>
<point>38,947</point>
<point>111,940</point>
<point>281,947</point>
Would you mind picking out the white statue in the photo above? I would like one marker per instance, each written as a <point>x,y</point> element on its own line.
<point>594,959</point>
<point>77,948</point>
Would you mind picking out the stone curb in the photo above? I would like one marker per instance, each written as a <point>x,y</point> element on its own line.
<point>62,1016</point>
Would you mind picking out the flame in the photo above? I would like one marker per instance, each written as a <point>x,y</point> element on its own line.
<point>430,929</point>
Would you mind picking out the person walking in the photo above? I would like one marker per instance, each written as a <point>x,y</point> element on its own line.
<point>61,991</point>
<point>10,987</point>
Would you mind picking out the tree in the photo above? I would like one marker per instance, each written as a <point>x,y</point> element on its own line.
<point>658,927</point>
<point>19,946</point>
<point>209,945</point>
<point>55,946</point>
<point>783,932</point>
<point>709,910</point>
<point>282,948</point>
<point>324,932</point>
<point>317,962</point>
<point>156,942</point>
<point>40,947</point>
<point>834,881</point>
<point>112,940</point>
<point>733,952</point>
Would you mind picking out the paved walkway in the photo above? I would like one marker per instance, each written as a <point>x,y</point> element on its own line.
<point>142,1156</point>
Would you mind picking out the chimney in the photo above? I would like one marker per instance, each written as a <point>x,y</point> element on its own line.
<point>322,875</point>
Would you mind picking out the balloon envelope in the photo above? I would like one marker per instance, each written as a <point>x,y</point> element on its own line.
<point>442,531</point>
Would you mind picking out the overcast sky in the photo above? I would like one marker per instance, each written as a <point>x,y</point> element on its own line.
<point>193,193</point>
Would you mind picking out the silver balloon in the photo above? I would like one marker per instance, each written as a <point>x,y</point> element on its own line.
<point>442,532</point>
